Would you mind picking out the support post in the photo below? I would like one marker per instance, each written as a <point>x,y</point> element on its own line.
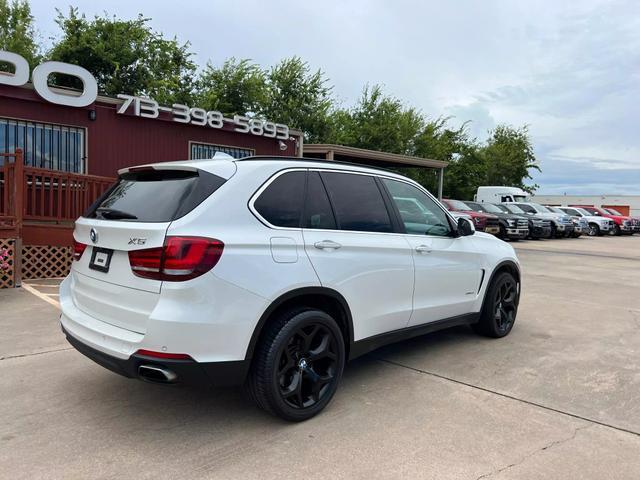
<point>18,205</point>
<point>440,183</point>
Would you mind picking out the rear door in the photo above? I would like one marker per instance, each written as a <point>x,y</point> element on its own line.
<point>448,269</point>
<point>133,215</point>
<point>350,240</point>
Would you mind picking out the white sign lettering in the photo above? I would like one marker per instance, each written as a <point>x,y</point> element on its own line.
<point>40,79</point>
<point>89,86</point>
<point>149,108</point>
<point>142,107</point>
<point>20,65</point>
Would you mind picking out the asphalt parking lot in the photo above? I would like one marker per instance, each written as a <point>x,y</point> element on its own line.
<point>558,398</point>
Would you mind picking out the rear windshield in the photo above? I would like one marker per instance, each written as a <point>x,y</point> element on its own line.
<point>154,195</point>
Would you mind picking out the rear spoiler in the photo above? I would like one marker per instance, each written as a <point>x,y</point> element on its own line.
<point>156,166</point>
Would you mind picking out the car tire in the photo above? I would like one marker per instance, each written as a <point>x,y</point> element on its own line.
<point>297,365</point>
<point>594,230</point>
<point>500,307</point>
<point>615,231</point>
<point>554,231</point>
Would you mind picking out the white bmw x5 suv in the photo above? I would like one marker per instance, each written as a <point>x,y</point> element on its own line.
<point>272,273</point>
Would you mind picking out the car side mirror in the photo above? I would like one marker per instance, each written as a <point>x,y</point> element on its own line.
<point>465,227</point>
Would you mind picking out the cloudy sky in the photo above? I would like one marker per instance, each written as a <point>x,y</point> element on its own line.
<point>569,70</point>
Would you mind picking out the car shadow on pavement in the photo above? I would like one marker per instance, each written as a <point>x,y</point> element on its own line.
<point>133,405</point>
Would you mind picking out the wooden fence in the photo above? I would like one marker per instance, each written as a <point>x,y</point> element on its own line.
<point>31,198</point>
<point>39,194</point>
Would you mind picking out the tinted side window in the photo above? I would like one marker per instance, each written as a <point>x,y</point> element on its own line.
<point>281,203</point>
<point>357,202</point>
<point>318,213</point>
<point>419,213</point>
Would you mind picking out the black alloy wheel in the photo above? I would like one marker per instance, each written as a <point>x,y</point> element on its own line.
<point>504,304</point>
<point>298,364</point>
<point>594,230</point>
<point>307,365</point>
<point>615,230</point>
<point>500,307</point>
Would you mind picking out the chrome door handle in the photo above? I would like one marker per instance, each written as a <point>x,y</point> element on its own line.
<point>327,245</point>
<point>423,249</point>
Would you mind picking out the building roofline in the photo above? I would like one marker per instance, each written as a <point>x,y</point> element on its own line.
<point>104,99</point>
<point>326,148</point>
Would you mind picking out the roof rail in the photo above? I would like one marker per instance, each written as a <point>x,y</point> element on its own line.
<point>320,160</point>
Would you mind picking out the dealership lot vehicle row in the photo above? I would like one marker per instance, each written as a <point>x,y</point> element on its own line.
<point>424,408</point>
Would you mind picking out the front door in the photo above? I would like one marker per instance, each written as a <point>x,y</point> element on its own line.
<point>350,242</point>
<point>447,268</point>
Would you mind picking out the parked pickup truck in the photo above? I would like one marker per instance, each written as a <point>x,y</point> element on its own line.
<point>580,225</point>
<point>621,223</point>
<point>538,227</point>
<point>512,226</point>
<point>561,225</point>
<point>483,222</point>
<point>597,225</point>
<point>635,221</point>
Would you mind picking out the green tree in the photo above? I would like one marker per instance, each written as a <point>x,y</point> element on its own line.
<point>125,56</point>
<point>377,122</point>
<point>299,98</point>
<point>17,32</point>
<point>509,157</point>
<point>238,87</point>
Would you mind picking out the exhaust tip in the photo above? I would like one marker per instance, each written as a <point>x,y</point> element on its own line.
<point>153,373</point>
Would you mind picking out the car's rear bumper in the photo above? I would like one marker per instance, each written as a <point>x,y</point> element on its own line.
<point>187,372</point>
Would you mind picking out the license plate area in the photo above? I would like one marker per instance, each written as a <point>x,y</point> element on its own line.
<point>100,259</point>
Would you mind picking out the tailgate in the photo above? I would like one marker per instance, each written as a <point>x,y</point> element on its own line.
<point>115,295</point>
<point>133,215</point>
<point>115,239</point>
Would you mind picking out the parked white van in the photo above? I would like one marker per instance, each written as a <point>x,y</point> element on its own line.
<point>501,195</point>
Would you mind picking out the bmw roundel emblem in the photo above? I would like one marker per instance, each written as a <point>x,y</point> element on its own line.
<point>93,235</point>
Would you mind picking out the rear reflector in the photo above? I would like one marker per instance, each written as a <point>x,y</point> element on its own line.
<point>78,250</point>
<point>165,355</point>
<point>181,258</point>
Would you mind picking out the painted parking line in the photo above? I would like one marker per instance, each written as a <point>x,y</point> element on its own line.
<point>40,295</point>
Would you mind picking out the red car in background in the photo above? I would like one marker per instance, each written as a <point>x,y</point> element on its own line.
<point>483,222</point>
<point>621,223</point>
<point>635,221</point>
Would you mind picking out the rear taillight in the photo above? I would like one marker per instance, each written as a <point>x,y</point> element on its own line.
<point>78,249</point>
<point>181,258</point>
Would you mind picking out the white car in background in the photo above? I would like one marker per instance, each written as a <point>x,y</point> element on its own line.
<point>597,225</point>
<point>272,273</point>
